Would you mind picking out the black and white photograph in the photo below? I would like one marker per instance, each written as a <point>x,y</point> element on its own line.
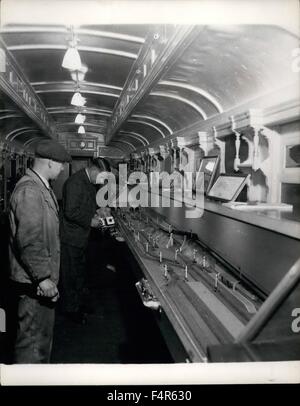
<point>149,193</point>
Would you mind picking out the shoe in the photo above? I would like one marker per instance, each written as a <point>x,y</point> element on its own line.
<point>77,317</point>
<point>111,267</point>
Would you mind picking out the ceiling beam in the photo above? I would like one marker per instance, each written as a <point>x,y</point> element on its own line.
<point>195,106</point>
<point>54,30</point>
<point>126,134</point>
<point>147,124</point>
<point>16,132</point>
<point>137,135</point>
<point>17,87</point>
<point>206,95</point>
<point>75,134</point>
<point>30,141</point>
<point>83,91</point>
<point>11,116</point>
<point>153,119</point>
<point>85,124</point>
<point>71,83</point>
<point>123,142</point>
<point>163,46</point>
<point>57,47</point>
<point>82,110</point>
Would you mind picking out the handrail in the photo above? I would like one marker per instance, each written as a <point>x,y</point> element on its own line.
<point>269,307</point>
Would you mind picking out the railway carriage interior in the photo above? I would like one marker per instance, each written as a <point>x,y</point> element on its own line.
<point>213,275</point>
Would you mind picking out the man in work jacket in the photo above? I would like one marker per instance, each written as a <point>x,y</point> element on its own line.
<point>34,250</point>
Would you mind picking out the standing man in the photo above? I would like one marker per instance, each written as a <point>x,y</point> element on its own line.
<point>78,210</point>
<point>34,251</point>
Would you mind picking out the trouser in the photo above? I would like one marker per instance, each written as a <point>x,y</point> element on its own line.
<point>35,322</point>
<point>72,277</point>
<point>101,242</point>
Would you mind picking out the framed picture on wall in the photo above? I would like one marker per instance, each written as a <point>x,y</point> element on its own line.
<point>208,166</point>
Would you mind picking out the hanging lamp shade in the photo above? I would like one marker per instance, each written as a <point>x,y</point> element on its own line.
<point>78,75</point>
<point>78,100</point>
<point>72,60</point>
<point>80,119</point>
<point>81,130</point>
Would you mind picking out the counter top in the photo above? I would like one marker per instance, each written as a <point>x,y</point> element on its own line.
<point>286,223</point>
<point>274,220</point>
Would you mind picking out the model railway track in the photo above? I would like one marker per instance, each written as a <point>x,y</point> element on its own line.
<point>149,248</point>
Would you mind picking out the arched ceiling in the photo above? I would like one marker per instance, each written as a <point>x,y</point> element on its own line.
<point>222,67</point>
<point>15,127</point>
<point>107,51</point>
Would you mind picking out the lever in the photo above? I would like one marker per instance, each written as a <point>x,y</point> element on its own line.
<point>194,255</point>
<point>166,271</point>
<point>204,262</point>
<point>216,281</point>
<point>186,273</point>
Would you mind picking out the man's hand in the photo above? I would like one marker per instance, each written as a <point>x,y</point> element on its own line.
<point>104,212</point>
<point>95,222</point>
<point>47,288</point>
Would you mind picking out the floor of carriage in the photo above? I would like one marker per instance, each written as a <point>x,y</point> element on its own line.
<point>121,329</point>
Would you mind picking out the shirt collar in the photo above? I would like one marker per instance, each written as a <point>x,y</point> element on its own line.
<point>87,174</point>
<point>44,180</point>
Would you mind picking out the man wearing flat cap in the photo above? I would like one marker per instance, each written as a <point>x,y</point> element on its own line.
<point>34,250</point>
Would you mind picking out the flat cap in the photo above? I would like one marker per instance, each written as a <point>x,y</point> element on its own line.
<point>51,149</point>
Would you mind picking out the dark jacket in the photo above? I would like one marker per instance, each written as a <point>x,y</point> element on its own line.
<point>34,246</point>
<point>78,208</point>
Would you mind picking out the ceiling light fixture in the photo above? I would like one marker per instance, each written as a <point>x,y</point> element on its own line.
<point>78,100</point>
<point>78,75</point>
<point>81,130</point>
<point>72,60</point>
<point>80,119</point>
